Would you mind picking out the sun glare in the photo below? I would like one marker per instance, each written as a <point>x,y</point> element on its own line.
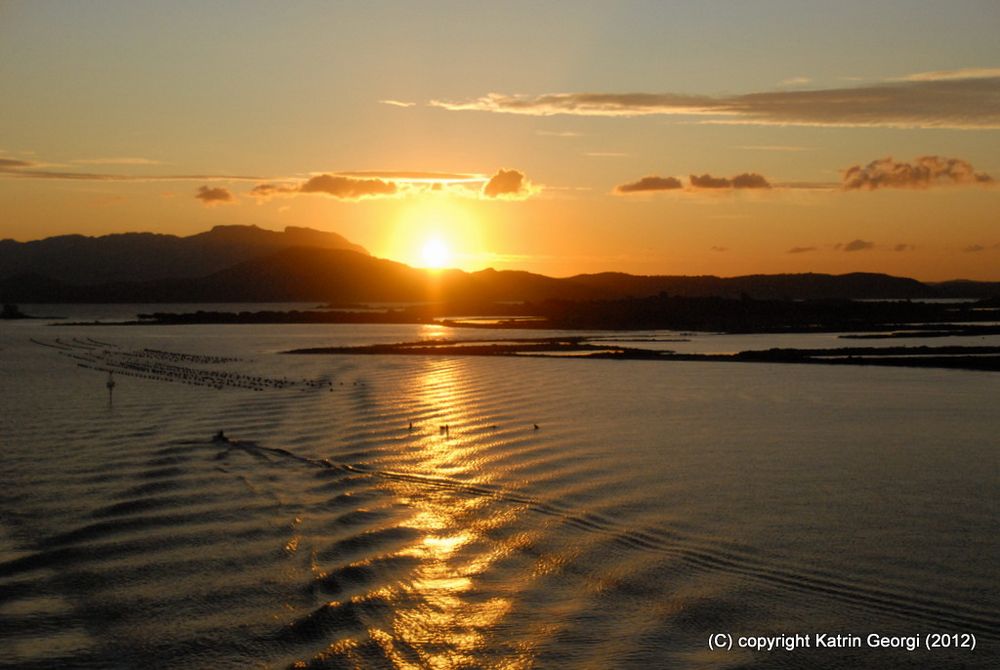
<point>435,254</point>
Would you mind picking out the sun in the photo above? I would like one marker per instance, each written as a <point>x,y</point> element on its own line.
<point>435,254</point>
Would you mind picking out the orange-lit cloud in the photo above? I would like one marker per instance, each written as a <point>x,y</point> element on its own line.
<point>958,99</point>
<point>397,103</point>
<point>507,184</point>
<point>924,172</point>
<point>745,180</point>
<point>218,195</point>
<point>415,176</point>
<point>801,250</point>
<point>363,184</point>
<point>650,183</point>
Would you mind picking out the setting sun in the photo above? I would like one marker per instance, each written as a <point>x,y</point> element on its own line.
<point>435,254</point>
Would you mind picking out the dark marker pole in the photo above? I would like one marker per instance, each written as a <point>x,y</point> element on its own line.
<point>111,387</point>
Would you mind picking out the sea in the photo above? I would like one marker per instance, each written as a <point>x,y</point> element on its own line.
<point>473,512</point>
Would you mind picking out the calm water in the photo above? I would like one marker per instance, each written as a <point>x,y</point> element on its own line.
<point>655,505</point>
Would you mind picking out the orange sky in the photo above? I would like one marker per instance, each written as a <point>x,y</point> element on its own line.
<point>639,137</point>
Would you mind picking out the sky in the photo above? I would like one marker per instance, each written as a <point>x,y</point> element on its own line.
<point>724,138</point>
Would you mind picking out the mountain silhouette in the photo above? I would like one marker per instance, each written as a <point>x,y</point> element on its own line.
<point>140,257</point>
<point>248,264</point>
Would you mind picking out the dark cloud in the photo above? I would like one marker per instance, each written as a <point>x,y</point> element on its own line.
<point>347,187</point>
<point>903,247</point>
<point>801,250</point>
<point>337,186</point>
<point>924,172</point>
<point>507,183</point>
<point>650,183</point>
<point>745,180</point>
<point>720,249</point>
<point>856,245</point>
<point>265,191</point>
<point>974,248</point>
<point>214,195</point>
<point>14,163</point>
<point>960,99</point>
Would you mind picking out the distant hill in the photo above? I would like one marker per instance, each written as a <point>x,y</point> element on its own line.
<point>139,257</point>
<point>247,264</point>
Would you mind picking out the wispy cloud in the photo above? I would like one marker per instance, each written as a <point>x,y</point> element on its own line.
<point>801,250</point>
<point>124,160</point>
<point>20,169</point>
<point>795,81</point>
<point>966,99</point>
<point>947,75</point>
<point>415,176</point>
<point>558,133</point>
<point>924,172</point>
<point>211,196</point>
<point>772,147</point>
<point>397,103</point>
<point>6,163</point>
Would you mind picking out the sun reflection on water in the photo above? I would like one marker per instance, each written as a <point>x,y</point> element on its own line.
<point>448,621</point>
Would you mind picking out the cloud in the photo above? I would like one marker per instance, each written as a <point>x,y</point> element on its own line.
<point>745,180</point>
<point>957,99</point>
<point>947,75</point>
<point>415,176</point>
<point>397,103</point>
<point>507,184</point>
<point>801,250</point>
<point>795,81</point>
<point>337,186</point>
<point>650,183</point>
<point>924,172</point>
<point>974,248</point>
<point>347,187</point>
<point>903,247</point>
<point>15,169</point>
<point>267,191</point>
<point>772,147</point>
<point>558,133</point>
<point>605,154</point>
<point>14,163</point>
<point>720,249</point>
<point>856,245</point>
<point>210,196</point>
<point>116,161</point>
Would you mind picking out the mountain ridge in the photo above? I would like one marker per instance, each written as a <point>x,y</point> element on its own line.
<point>250,264</point>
